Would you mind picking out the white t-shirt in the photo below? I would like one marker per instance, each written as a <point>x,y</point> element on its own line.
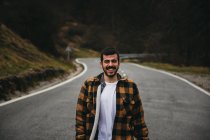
<point>107,111</point>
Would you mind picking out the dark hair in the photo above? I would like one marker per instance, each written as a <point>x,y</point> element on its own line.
<point>109,51</point>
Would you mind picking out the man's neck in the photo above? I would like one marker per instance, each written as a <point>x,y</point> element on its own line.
<point>110,79</point>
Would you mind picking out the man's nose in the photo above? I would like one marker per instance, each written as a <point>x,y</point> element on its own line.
<point>110,63</point>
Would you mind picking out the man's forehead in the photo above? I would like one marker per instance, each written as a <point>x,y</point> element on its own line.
<point>112,56</point>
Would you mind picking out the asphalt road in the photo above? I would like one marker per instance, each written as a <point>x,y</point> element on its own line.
<point>173,109</point>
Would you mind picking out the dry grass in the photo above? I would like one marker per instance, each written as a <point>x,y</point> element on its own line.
<point>182,69</point>
<point>83,52</point>
<point>20,56</point>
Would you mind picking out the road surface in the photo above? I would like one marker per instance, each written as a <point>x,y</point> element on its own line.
<point>173,109</point>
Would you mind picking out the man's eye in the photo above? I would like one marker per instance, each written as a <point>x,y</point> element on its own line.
<point>114,61</point>
<point>106,61</point>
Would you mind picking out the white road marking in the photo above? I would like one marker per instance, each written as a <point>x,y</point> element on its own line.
<point>175,76</point>
<point>47,89</point>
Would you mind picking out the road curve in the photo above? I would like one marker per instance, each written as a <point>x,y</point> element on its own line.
<point>173,109</point>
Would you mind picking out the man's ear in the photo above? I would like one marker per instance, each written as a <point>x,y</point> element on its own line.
<point>101,65</point>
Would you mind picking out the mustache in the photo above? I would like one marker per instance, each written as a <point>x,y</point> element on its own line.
<point>110,67</point>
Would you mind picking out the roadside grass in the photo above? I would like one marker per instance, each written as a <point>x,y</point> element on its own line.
<point>172,68</point>
<point>179,69</point>
<point>84,53</point>
<point>13,63</point>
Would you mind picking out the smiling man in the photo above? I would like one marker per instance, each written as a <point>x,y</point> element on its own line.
<point>109,107</point>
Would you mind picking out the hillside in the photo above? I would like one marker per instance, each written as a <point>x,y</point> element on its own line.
<point>23,65</point>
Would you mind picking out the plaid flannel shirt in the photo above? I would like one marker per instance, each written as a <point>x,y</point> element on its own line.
<point>129,119</point>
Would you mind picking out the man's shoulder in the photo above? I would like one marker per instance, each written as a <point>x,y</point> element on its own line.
<point>91,79</point>
<point>128,81</point>
<point>94,78</point>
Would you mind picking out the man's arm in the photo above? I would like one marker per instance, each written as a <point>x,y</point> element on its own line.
<point>80,114</point>
<point>140,128</point>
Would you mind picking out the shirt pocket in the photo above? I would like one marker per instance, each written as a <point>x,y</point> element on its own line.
<point>128,104</point>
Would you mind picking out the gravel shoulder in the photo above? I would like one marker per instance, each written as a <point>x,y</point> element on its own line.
<point>201,80</point>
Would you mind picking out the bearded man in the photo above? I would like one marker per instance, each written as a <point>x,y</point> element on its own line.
<point>109,107</point>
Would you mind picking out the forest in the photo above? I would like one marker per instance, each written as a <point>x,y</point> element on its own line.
<point>178,30</point>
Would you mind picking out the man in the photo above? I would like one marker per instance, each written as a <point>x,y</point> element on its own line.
<point>109,107</point>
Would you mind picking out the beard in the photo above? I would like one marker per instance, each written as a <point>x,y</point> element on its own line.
<point>115,69</point>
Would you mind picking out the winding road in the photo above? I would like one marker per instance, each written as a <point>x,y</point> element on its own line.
<point>173,108</point>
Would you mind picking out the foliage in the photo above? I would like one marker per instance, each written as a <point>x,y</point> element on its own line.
<point>176,28</point>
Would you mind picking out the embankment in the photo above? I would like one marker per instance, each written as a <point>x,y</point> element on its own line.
<point>12,86</point>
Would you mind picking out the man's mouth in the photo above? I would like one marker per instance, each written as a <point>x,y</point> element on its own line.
<point>110,68</point>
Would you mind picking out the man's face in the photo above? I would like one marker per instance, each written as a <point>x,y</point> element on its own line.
<point>110,65</point>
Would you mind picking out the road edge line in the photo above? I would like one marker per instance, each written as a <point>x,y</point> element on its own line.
<point>175,76</point>
<point>49,88</point>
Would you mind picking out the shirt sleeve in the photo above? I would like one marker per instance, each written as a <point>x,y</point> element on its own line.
<point>81,114</point>
<point>140,128</point>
